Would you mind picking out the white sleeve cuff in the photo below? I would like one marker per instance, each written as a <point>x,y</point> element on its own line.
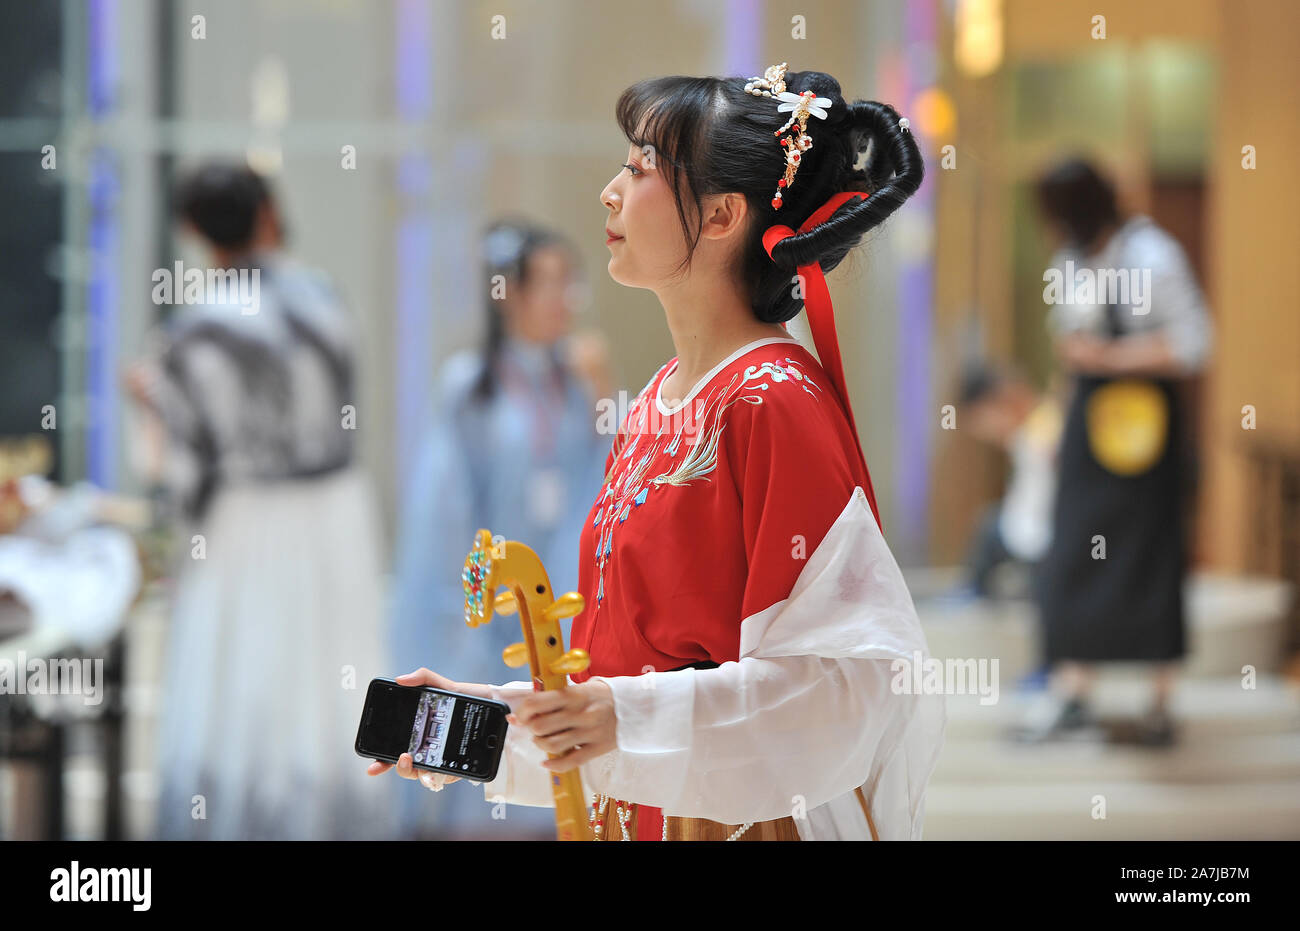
<point>521,779</point>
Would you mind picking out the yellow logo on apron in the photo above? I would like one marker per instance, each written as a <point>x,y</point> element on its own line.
<point>1128,421</point>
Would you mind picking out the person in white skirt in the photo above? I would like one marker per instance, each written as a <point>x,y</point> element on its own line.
<point>276,619</point>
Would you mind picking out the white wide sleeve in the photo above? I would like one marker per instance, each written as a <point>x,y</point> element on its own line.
<point>819,704</point>
<point>520,779</point>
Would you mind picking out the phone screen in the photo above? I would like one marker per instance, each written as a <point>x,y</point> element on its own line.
<point>442,731</point>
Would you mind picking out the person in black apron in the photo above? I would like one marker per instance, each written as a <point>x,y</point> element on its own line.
<point>1110,587</point>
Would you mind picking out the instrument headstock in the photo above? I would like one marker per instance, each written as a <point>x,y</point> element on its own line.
<point>512,566</point>
<point>479,581</point>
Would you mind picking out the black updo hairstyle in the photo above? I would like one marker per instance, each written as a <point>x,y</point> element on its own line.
<point>711,137</point>
<point>508,244</point>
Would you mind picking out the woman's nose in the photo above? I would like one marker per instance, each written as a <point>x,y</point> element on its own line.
<point>609,196</point>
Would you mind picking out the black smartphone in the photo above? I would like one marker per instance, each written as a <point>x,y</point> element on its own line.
<point>445,732</point>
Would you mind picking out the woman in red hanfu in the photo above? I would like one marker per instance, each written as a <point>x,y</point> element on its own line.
<point>752,641</point>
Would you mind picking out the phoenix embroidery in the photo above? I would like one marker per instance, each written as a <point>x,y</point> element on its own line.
<point>626,483</point>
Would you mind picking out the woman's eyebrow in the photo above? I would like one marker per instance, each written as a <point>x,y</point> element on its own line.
<point>645,159</point>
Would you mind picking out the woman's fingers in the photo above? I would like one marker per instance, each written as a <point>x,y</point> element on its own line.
<point>423,676</point>
<point>558,723</point>
<point>406,767</point>
<point>569,723</point>
<point>435,781</point>
<point>562,719</point>
<point>574,758</point>
<point>378,767</point>
<point>429,779</point>
<point>566,740</point>
<point>541,703</point>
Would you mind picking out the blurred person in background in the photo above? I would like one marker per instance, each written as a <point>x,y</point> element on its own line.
<point>1002,409</point>
<point>1005,411</point>
<point>276,618</point>
<point>1111,587</point>
<point>514,448</point>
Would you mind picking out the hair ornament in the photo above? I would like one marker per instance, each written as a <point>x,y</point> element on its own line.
<point>800,107</point>
<point>503,245</point>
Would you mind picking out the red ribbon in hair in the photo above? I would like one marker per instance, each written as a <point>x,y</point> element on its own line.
<point>821,319</point>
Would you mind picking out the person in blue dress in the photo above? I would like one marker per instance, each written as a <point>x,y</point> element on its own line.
<point>514,447</point>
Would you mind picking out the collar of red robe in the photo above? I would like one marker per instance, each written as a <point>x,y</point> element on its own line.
<point>821,319</point>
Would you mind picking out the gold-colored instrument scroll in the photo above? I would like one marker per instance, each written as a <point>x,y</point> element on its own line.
<point>516,568</point>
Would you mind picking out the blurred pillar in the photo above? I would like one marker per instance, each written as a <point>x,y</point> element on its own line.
<point>1254,279</point>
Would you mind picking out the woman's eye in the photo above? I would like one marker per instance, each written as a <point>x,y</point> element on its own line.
<point>632,168</point>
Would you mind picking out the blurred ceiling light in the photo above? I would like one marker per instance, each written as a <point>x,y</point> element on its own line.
<point>933,113</point>
<point>977,47</point>
<point>270,88</point>
<point>265,158</point>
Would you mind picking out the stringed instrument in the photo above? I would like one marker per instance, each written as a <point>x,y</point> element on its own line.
<point>516,568</point>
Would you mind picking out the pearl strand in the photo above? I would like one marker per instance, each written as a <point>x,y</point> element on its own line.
<point>623,814</point>
<point>735,835</point>
<point>596,819</point>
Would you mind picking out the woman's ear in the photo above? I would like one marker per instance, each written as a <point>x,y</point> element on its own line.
<point>725,215</point>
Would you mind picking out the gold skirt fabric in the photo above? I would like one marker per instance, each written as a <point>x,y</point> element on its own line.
<point>692,829</point>
<point>700,829</point>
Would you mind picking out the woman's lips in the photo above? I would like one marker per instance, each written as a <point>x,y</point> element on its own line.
<point>610,237</point>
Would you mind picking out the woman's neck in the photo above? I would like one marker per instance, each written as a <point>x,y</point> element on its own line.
<point>706,328</point>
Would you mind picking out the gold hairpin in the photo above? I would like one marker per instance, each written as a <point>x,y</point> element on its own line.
<point>770,84</point>
<point>800,107</point>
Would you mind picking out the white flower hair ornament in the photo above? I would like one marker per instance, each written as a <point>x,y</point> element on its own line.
<point>503,245</point>
<point>800,107</point>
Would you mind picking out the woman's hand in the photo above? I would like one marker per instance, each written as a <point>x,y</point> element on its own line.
<point>1139,354</point>
<point>1085,353</point>
<point>140,380</point>
<point>405,765</point>
<point>576,723</point>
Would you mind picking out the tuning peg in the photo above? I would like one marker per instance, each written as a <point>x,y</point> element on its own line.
<point>565,606</point>
<point>572,661</point>
<point>515,655</point>
<point>505,603</point>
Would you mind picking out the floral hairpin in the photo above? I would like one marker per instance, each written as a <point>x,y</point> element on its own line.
<point>800,107</point>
